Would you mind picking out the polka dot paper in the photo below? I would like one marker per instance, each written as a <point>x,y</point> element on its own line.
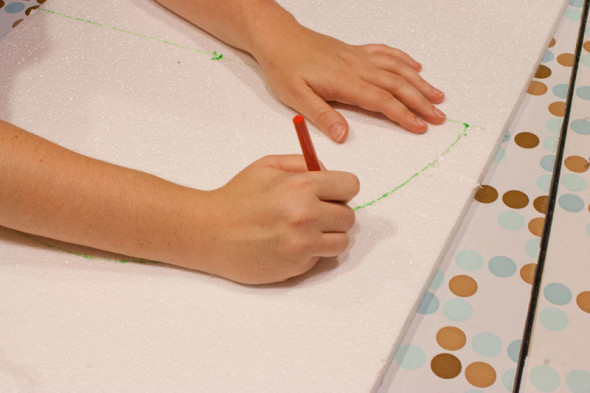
<point>466,336</point>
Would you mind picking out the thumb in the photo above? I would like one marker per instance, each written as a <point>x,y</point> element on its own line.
<point>320,113</point>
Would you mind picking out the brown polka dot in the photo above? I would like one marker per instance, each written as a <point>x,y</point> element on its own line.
<point>463,286</point>
<point>552,43</point>
<point>1,3</point>
<point>540,204</point>
<point>537,88</point>
<point>583,301</point>
<point>576,164</point>
<point>480,374</point>
<point>486,194</point>
<point>16,23</point>
<point>451,338</point>
<point>526,140</point>
<point>566,59</point>
<point>557,108</point>
<point>587,46</point>
<point>527,273</point>
<point>445,366</point>
<point>41,1</point>
<point>543,72</point>
<point>536,226</point>
<point>28,11</point>
<point>515,199</point>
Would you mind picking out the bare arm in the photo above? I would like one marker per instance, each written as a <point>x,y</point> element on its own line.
<point>305,69</point>
<point>269,223</point>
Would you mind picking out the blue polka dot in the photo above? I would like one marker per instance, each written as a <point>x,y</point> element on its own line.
<point>545,378</point>
<point>557,293</point>
<point>514,350</point>
<point>588,229</point>
<point>532,247</point>
<point>410,357</point>
<point>574,15</point>
<point>469,259</point>
<point>511,220</point>
<point>574,182</point>
<point>458,310</point>
<point>544,182</point>
<point>429,304</point>
<point>438,279</point>
<point>506,137</point>
<point>571,203</point>
<point>583,92</point>
<point>550,143</point>
<point>500,155</point>
<point>13,8</point>
<point>560,90</point>
<point>576,3</point>
<point>554,125</point>
<point>585,59</point>
<point>581,126</point>
<point>487,344</point>
<point>508,378</point>
<point>553,319</point>
<point>502,266</point>
<point>578,381</point>
<point>547,57</point>
<point>548,162</point>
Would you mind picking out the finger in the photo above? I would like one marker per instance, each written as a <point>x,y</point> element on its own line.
<point>319,112</point>
<point>407,94</point>
<point>331,244</point>
<point>335,217</point>
<point>394,66</point>
<point>384,50</point>
<point>335,185</point>
<point>286,162</point>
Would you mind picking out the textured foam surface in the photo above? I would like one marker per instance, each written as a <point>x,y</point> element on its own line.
<point>132,84</point>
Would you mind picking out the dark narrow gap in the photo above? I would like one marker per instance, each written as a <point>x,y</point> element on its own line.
<point>528,327</point>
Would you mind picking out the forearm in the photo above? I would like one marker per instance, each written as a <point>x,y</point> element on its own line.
<point>250,25</point>
<point>51,191</point>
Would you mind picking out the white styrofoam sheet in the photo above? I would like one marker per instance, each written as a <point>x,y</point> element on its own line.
<point>129,96</point>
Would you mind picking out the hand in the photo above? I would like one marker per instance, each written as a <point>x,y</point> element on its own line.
<point>276,219</point>
<point>305,69</point>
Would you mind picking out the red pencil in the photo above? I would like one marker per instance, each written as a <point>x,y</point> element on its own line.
<point>311,159</point>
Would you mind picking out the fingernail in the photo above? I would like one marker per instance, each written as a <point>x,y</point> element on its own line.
<point>420,122</point>
<point>437,92</point>
<point>438,113</point>
<point>337,132</point>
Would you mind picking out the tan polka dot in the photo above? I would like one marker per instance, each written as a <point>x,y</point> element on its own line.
<point>463,286</point>
<point>566,59</point>
<point>576,164</point>
<point>583,301</point>
<point>515,199</point>
<point>540,204</point>
<point>451,338</point>
<point>587,46</point>
<point>486,194</point>
<point>445,366</point>
<point>537,88</point>
<point>480,374</point>
<point>536,226</point>
<point>557,108</point>
<point>543,72</point>
<point>527,273</point>
<point>526,140</point>
<point>552,43</point>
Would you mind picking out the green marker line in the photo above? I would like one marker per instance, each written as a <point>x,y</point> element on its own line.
<point>462,134</point>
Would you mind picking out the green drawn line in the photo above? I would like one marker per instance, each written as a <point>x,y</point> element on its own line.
<point>462,134</point>
<point>212,55</point>
<point>54,247</point>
